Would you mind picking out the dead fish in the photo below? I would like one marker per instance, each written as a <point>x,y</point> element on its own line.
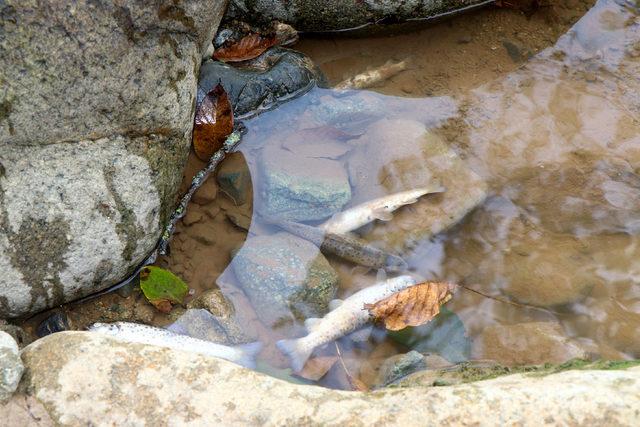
<point>374,77</point>
<point>347,247</point>
<point>345,317</point>
<point>380,208</point>
<point>143,334</point>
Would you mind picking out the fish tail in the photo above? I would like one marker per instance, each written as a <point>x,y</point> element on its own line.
<point>296,351</point>
<point>248,353</point>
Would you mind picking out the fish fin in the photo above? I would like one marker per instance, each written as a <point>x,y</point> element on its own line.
<point>311,323</point>
<point>335,303</point>
<point>361,335</point>
<point>382,215</point>
<point>249,353</point>
<point>359,270</point>
<point>438,188</point>
<point>381,275</point>
<point>296,352</point>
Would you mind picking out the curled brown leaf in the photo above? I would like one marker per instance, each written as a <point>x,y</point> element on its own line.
<point>248,47</point>
<point>213,123</point>
<point>413,306</point>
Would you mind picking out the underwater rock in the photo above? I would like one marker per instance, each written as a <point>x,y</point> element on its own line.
<point>63,375</point>
<point>585,194</point>
<point>55,322</point>
<point>96,111</point>
<point>445,336</point>
<point>284,277</point>
<point>11,366</point>
<point>214,301</point>
<point>234,178</point>
<point>526,344</point>
<point>300,188</point>
<point>223,311</point>
<point>500,244</point>
<point>399,366</point>
<point>340,15</point>
<point>398,155</point>
<point>274,77</point>
<point>547,271</point>
<point>201,324</point>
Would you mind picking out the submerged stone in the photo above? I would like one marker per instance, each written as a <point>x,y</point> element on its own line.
<point>399,366</point>
<point>445,335</point>
<point>399,154</point>
<point>285,277</point>
<point>200,323</point>
<point>300,188</point>
<point>234,178</point>
<point>529,343</point>
<point>215,302</point>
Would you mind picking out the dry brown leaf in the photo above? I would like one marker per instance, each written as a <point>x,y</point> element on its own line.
<point>317,367</point>
<point>413,306</point>
<point>213,123</point>
<point>248,47</point>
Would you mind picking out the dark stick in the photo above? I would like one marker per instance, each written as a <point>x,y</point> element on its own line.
<point>229,145</point>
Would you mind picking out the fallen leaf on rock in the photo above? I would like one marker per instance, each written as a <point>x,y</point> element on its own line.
<point>162,288</point>
<point>213,123</point>
<point>248,47</point>
<point>317,367</point>
<point>413,306</point>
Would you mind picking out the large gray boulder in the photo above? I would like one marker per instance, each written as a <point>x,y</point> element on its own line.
<point>84,378</point>
<point>336,15</point>
<point>96,110</point>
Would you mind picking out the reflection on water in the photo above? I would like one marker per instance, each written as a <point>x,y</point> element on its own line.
<point>541,206</point>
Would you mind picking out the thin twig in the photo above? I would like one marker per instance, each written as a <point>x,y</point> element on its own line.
<point>356,385</point>
<point>509,302</point>
<point>229,145</point>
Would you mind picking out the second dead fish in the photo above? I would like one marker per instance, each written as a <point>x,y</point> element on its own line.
<point>380,208</point>
<point>347,247</point>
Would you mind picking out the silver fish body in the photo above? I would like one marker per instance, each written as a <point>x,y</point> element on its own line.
<point>347,247</point>
<point>143,334</point>
<point>380,208</point>
<point>349,316</point>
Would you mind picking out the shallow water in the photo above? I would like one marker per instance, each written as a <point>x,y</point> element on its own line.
<point>539,154</point>
<point>552,145</point>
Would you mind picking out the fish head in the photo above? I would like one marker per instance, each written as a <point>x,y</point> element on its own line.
<point>395,264</point>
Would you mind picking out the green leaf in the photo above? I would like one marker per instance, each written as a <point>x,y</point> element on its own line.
<point>162,288</point>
